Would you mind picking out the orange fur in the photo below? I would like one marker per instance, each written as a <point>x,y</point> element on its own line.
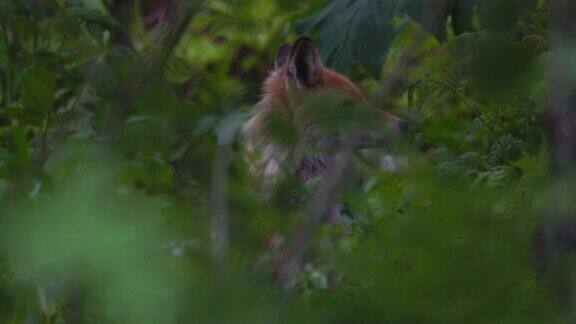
<point>273,158</point>
<point>269,160</point>
<point>331,79</point>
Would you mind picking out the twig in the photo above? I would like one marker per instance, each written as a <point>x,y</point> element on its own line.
<point>219,206</point>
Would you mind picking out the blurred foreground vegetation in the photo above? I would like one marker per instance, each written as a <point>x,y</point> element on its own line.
<point>112,114</point>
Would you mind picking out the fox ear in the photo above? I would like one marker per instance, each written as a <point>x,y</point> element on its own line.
<point>282,55</point>
<point>305,62</point>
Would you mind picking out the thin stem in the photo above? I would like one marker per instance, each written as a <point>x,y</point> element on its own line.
<point>219,206</point>
<point>43,303</point>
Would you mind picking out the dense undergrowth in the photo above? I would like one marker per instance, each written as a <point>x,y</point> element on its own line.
<point>108,150</point>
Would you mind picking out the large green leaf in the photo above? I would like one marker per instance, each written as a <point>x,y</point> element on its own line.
<point>362,30</point>
<point>377,34</point>
<point>461,11</point>
<point>351,30</point>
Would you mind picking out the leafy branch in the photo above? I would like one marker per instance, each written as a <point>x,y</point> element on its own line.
<point>473,110</point>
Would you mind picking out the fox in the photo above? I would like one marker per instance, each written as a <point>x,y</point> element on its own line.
<point>298,71</point>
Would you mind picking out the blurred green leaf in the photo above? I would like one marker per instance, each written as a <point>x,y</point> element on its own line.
<point>461,12</point>
<point>101,76</point>
<point>37,91</point>
<point>116,228</point>
<point>18,147</point>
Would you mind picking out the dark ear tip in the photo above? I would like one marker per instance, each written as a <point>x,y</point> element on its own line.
<point>303,39</point>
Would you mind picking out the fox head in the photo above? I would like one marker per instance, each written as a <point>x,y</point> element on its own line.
<point>298,67</point>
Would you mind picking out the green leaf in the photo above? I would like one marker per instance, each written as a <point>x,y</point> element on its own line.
<point>37,91</point>
<point>461,11</point>
<point>156,97</point>
<point>462,15</point>
<point>96,22</point>
<point>18,147</point>
<point>416,10</point>
<point>501,16</point>
<point>152,171</point>
<point>101,76</point>
<point>146,135</point>
<point>97,31</point>
<point>94,16</point>
<point>353,30</point>
<point>377,34</point>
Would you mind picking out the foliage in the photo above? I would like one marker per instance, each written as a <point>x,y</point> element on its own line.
<point>109,155</point>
